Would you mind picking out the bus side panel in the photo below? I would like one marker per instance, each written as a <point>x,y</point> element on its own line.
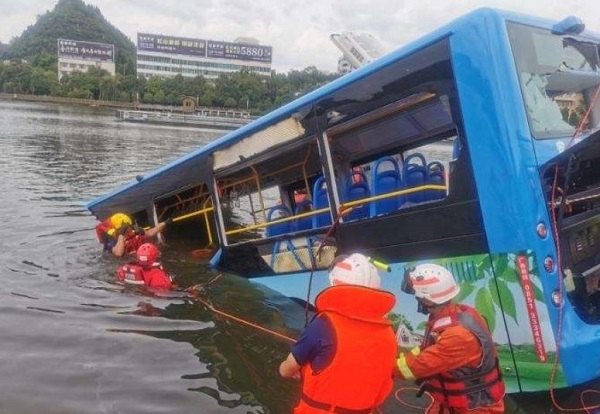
<point>506,290</point>
<point>516,295</point>
<point>503,158</point>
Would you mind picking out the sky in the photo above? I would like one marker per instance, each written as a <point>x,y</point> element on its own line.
<point>298,30</point>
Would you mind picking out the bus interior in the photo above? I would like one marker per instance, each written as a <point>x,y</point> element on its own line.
<point>382,152</point>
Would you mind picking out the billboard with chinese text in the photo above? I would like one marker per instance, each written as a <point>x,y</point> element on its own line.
<point>204,48</point>
<point>76,49</point>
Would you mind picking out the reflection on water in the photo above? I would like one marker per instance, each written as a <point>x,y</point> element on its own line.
<point>85,344</point>
<point>75,342</point>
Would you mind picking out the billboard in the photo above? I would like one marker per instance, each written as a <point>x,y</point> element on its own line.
<point>171,44</point>
<point>204,48</point>
<point>240,51</point>
<point>76,49</point>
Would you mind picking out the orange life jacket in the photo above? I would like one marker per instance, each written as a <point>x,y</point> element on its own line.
<point>101,230</point>
<point>466,387</point>
<point>359,376</point>
<point>133,242</point>
<point>155,276</point>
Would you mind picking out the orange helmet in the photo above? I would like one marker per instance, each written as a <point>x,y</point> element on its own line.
<point>147,253</point>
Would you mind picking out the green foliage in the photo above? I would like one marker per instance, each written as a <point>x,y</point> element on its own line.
<point>503,297</point>
<point>256,93</point>
<point>396,319</point>
<point>465,290</point>
<point>33,69</point>
<point>502,282</point>
<point>72,19</point>
<point>485,306</point>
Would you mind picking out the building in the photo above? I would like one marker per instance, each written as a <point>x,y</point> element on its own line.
<point>164,56</point>
<point>75,55</point>
<point>358,49</point>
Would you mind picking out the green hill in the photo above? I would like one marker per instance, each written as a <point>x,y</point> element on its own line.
<point>73,19</point>
<point>3,49</point>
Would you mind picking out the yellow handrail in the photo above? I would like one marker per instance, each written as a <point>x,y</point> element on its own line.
<point>394,194</point>
<point>345,205</point>
<point>194,213</point>
<point>281,220</point>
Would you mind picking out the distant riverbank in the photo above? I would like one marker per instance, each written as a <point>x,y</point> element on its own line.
<point>63,100</point>
<point>226,112</point>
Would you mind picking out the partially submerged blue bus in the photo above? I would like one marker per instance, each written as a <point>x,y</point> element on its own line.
<point>475,147</point>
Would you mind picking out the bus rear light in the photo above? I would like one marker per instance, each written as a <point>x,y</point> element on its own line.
<point>542,230</point>
<point>549,264</point>
<point>556,298</point>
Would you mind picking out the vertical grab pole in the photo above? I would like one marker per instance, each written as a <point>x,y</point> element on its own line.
<point>260,197</point>
<point>159,235</point>
<point>252,208</point>
<point>207,221</point>
<point>304,170</point>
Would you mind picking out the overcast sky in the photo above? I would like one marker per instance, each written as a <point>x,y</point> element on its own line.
<point>298,30</point>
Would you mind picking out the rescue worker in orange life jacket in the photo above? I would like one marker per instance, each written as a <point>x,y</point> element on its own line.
<point>119,236</point>
<point>346,355</point>
<point>145,270</point>
<point>457,361</point>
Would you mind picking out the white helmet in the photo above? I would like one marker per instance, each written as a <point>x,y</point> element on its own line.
<point>433,282</point>
<point>354,270</point>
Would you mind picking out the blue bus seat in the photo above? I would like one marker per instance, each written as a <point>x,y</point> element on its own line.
<point>279,228</point>
<point>320,200</point>
<point>437,176</point>
<point>386,181</point>
<point>415,175</point>
<point>303,223</point>
<point>357,187</point>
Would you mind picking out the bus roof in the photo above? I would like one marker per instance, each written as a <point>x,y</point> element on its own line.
<point>138,195</point>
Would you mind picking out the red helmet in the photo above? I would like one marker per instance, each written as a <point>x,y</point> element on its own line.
<point>147,253</point>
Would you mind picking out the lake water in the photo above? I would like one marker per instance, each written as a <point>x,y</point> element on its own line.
<point>73,341</point>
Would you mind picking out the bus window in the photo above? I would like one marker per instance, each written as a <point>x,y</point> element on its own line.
<point>274,206</point>
<point>245,207</point>
<point>559,76</point>
<point>191,210</point>
<point>383,167</point>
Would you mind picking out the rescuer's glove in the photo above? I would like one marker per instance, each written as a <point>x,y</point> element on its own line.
<point>123,230</point>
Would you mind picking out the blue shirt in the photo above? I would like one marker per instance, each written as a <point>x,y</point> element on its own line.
<point>316,345</point>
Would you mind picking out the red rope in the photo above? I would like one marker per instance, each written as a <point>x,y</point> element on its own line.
<point>399,391</point>
<point>560,279</point>
<point>193,291</point>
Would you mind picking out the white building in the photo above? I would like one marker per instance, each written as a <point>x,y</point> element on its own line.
<point>75,55</point>
<point>165,56</point>
<point>358,49</point>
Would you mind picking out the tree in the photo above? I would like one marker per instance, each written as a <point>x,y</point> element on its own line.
<point>72,19</point>
<point>42,82</point>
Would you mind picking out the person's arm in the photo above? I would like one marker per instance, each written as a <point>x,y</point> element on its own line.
<point>119,247</point>
<point>456,347</point>
<point>308,346</point>
<point>289,368</point>
<point>155,230</point>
